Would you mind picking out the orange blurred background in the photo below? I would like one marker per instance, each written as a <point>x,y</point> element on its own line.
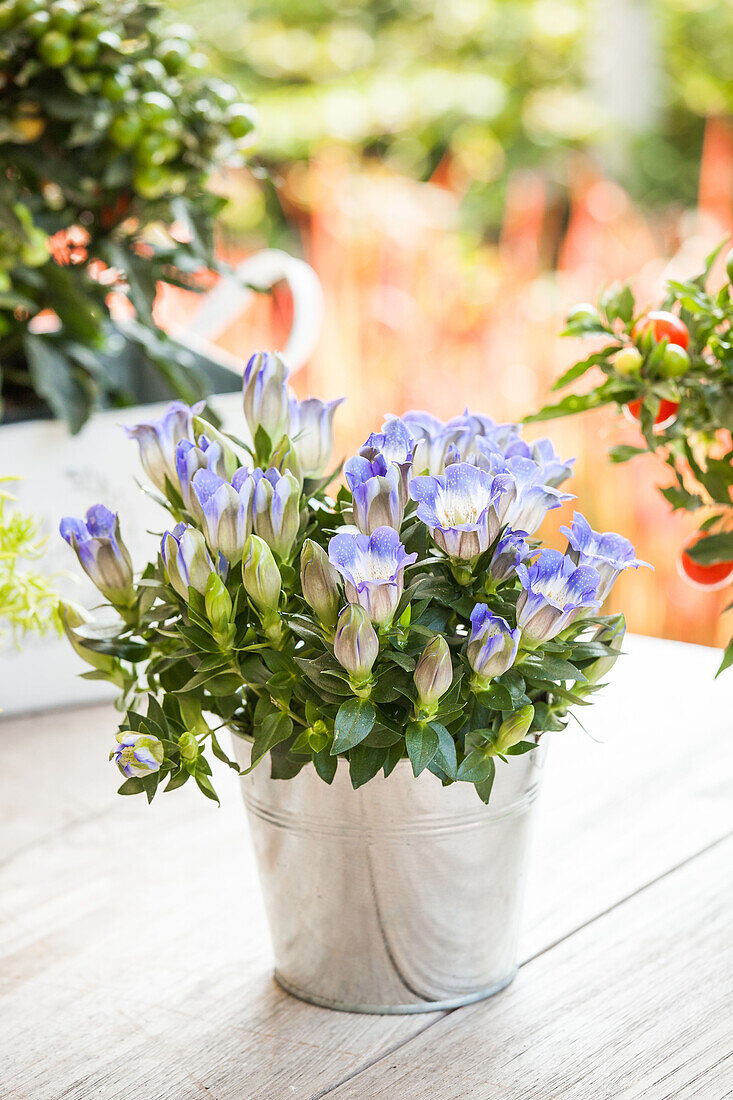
<point>418,317</point>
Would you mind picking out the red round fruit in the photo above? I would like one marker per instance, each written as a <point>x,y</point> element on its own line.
<point>710,577</point>
<point>663,325</point>
<point>666,415</point>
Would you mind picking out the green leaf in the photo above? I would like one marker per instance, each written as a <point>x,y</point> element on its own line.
<point>445,757</point>
<point>712,549</point>
<point>483,789</point>
<point>680,498</point>
<point>422,744</point>
<point>570,405</point>
<point>364,763</point>
<point>579,369</point>
<point>354,721</point>
<point>325,765</point>
<point>551,668</point>
<point>394,755</point>
<point>131,786</point>
<point>477,767</point>
<point>624,452</point>
<point>57,381</point>
<point>727,658</point>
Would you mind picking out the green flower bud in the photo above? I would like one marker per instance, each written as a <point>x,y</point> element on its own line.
<point>513,729</point>
<point>612,633</point>
<point>189,748</point>
<point>321,583</point>
<point>284,459</point>
<point>136,754</point>
<point>433,673</point>
<point>356,644</point>
<point>219,608</point>
<point>263,583</point>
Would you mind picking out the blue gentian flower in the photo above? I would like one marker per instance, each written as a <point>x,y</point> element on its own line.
<point>432,438</point>
<point>461,508</point>
<point>606,551</point>
<point>555,470</point>
<point>265,394</point>
<point>377,492</point>
<point>311,430</point>
<point>554,591</point>
<point>492,645</point>
<point>158,441</point>
<point>226,513</point>
<point>186,560</point>
<point>531,498</point>
<point>395,442</point>
<point>101,552</point>
<point>276,509</point>
<point>137,754</point>
<point>190,457</point>
<point>511,549</point>
<point>373,568</point>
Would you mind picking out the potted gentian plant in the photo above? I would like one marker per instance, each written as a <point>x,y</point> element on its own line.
<point>388,660</point>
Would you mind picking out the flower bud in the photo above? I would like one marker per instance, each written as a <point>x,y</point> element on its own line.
<point>356,644</point>
<point>492,646</point>
<point>320,583</point>
<point>276,510</point>
<point>513,729</point>
<point>188,747</point>
<point>284,459</point>
<point>186,560</point>
<point>226,514</point>
<point>434,672</point>
<point>265,394</point>
<point>311,429</point>
<point>219,608</point>
<point>612,633</point>
<point>137,754</point>
<point>102,554</point>
<point>261,575</point>
<point>158,440</point>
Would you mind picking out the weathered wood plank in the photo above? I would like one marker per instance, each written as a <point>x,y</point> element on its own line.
<point>134,959</point>
<point>638,1004</point>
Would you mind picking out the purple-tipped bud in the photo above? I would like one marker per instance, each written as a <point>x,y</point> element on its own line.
<point>225,512</point>
<point>321,583</point>
<point>311,429</point>
<point>276,510</point>
<point>265,394</point>
<point>186,560</point>
<point>159,439</point>
<point>356,644</point>
<point>433,672</point>
<point>101,552</point>
<point>492,645</point>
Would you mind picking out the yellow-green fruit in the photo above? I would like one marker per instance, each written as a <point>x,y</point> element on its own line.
<point>8,16</point>
<point>55,49</point>
<point>90,25</point>
<point>28,128</point>
<point>37,24</point>
<point>676,361</point>
<point>64,14</point>
<point>125,130</point>
<point>240,120</point>
<point>173,53</point>
<point>156,148</point>
<point>27,7</point>
<point>115,85</point>
<point>628,361</point>
<point>86,51</point>
<point>151,181</point>
<point>155,106</point>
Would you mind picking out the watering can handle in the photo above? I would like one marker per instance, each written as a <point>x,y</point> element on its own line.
<point>221,305</point>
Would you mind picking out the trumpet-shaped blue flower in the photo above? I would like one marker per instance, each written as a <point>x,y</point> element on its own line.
<point>101,552</point>
<point>554,591</point>
<point>462,508</point>
<point>432,440</point>
<point>190,457</point>
<point>226,513</point>
<point>265,394</point>
<point>377,492</point>
<point>373,568</point>
<point>275,509</point>
<point>395,442</point>
<point>511,550</point>
<point>186,560</point>
<point>607,552</point>
<point>158,441</point>
<point>137,754</point>
<point>530,499</point>
<point>492,645</point>
<point>311,430</point>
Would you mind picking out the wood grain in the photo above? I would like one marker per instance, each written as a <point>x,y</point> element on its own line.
<point>134,958</point>
<point>637,1004</point>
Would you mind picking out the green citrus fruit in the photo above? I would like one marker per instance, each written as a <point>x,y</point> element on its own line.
<point>64,14</point>
<point>125,130</point>
<point>115,85</point>
<point>676,361</point>
<point>628,361</point>
<point>86,51</point>
<point>55,49</point>
<point>240,120</point>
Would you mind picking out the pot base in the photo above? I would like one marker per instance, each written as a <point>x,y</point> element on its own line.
<point>395,1010</point>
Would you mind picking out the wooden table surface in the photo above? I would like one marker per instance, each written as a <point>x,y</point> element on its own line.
<point>135,962</point>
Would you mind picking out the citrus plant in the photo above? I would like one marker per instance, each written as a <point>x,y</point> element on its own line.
<point>109,130</point>
<point>670,370</point>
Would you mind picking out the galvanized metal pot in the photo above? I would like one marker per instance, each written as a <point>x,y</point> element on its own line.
<point>402,896</point>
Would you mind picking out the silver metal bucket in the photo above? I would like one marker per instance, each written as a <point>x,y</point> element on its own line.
<point>402,896</point>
